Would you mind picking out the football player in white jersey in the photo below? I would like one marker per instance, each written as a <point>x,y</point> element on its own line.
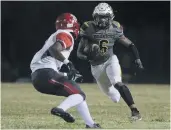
<point>96,45</point>
<point>46,75</point>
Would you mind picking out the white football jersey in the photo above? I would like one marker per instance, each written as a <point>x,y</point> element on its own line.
<point>40,61</point>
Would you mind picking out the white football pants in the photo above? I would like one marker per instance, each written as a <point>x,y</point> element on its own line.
<point>107,75</point>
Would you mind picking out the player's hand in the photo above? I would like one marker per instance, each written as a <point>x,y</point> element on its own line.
<point>71,70</point>
<point>75,76</point>
<point>94,52</point>
<point>139,64</point>
<point>70,66</point>
<point>78,77</point>
<point>71,74</point>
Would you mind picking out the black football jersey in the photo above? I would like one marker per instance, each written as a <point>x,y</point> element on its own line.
<point>105,38</point>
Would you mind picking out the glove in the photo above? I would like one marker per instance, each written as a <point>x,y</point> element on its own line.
<point>78,77</point>
<point>139,64</point>
<point>75,76</point>
<point>71,70</point>
<point>70,66</point>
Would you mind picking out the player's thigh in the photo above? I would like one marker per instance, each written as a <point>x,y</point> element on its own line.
<point>64,87</point>
<point>102,80</point>
<point>113,71</point>
<point>43,81</point>
<point>48,81</point>
<point>106,86</point>
<point>97,70</point>
<point>71,87</point>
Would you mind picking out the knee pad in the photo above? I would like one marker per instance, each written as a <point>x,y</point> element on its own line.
<point>119,86</point>
<point>83,95</point>
<point>122,88</point>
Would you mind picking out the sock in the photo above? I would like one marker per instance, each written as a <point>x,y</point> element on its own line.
<point>85,114</point>
<point>125,94</point>
<point>71,101</point>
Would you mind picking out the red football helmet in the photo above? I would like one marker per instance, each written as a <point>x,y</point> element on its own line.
<point>68,21</point>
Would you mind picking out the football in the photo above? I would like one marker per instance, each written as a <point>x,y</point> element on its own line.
<point>91,49</point>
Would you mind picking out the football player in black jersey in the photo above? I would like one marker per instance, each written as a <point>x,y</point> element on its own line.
<point>96,45</point>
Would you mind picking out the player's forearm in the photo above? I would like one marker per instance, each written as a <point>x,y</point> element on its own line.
<point>80,49</point>
<point>55,51</point>
<point>59,56</point>
<point>128,43</point>
<point>136,55</point>
<point>134,51</point>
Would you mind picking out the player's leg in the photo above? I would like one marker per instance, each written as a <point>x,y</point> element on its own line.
<point>103,82</point>
<point>44,81</point>
<point>113,71</point>
<point>83,110</point>
<point>107,88</point>
<point>71,90</point>
<point>82,107</point>
<point>48,81</point>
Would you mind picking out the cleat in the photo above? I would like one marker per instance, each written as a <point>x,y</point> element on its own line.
<point>64,115</point>
<point>96,126</point>
<point>135,115</point>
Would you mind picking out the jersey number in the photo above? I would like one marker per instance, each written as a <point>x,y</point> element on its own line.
<point>103,46</point>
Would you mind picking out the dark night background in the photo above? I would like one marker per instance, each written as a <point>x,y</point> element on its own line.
<point>27,24</point>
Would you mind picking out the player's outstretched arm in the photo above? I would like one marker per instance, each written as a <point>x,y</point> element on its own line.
<point>80,50</point>
<point>126,42</point>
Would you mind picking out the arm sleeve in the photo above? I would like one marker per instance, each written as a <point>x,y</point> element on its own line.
<point>134,51</point>
<point>128,43</point>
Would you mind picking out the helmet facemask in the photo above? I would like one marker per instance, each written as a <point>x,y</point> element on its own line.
<point>103,21</point>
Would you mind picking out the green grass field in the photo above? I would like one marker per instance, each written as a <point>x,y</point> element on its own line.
<point>22,107</point>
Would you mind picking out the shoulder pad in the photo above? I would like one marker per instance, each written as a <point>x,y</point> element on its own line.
<point>117,24</point>
<point>86,25</point>
<point>65,39</point>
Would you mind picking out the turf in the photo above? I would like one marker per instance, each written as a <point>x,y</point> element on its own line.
<point>22,107</point>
